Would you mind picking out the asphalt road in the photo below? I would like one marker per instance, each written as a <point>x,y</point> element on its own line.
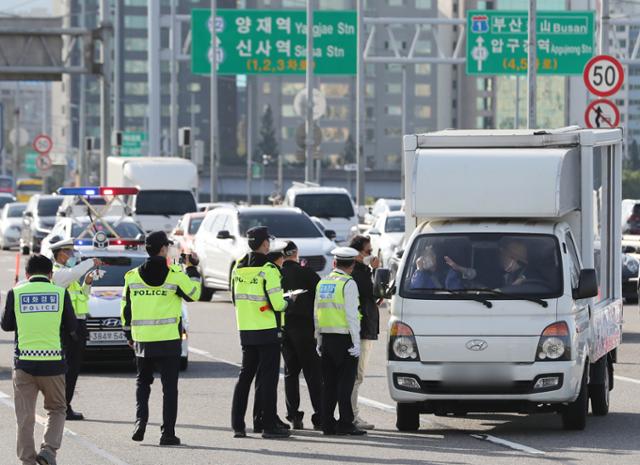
<point>106,396</point>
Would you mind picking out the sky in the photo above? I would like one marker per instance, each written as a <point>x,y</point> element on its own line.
<point>24,6</point>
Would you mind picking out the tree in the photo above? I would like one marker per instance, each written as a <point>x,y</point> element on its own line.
<point>268,145</point>
<point>349,150</point>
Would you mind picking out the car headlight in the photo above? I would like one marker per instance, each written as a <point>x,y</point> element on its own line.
<point>554,343</point>
<point>402,343</point>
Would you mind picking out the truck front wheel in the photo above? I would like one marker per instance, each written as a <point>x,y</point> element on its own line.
<point>574,415</point>
<point>407,417</point>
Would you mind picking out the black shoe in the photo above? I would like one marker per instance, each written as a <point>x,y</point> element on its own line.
<point>351,432</point>
<point>169,441</point>
<point>138,431</point>
<point>297,423</point>
<point>281,424</point>
<point>239,434</point>
<point>277,433</point>
<point>257,428</point>
<point>74,416</point>
<point>329,432</point>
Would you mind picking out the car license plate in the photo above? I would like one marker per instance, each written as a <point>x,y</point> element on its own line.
<point>106,337</point>
<point>482,373</point>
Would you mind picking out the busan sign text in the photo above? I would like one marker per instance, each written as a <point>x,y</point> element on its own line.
<point>497,42</point>
<point>274,42</point>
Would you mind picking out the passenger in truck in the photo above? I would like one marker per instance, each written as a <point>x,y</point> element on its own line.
<point>515,262</point>
<point>429,275</point>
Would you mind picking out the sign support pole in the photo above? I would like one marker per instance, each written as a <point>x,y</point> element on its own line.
<point>213,140</point>
<point>308,145</point>
<point>359,103</point>
<point>531,67</point>
<point>105,94</point>
<point>82,127</point>
<point>173,34</point>
<point>16,125</point>
<point>403,123</point>
<point>153,7</point>
<point>250,116</point>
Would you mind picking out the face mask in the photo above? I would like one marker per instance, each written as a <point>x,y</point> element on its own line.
<point>429,263</point>
<point>511,265</point>
<point>368,260</point>
<point>71,262</point>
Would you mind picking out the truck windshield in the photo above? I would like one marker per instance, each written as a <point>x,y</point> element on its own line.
<point>495,265</point>
<point>165,203</point>
<point>325,205</point>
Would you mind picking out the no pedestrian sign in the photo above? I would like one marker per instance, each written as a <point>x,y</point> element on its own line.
<point>602,113</point>
<point>603,75</point>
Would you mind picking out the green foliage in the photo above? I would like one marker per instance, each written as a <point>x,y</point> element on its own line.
<point>268,144</point>
<point>349,151</point>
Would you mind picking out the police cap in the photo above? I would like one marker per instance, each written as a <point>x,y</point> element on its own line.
<point>157,240</point>
<point>62,245</point>
<point>257,236</point>
<point>345,253</point>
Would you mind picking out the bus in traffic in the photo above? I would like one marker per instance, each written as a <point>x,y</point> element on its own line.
<point>25,188</point>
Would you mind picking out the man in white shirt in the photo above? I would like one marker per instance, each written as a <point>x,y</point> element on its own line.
<point>68,275</point>
<point>337,331</point>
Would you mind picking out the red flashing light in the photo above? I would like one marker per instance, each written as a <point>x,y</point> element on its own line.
<point>118,190</point>
<point>126,242</point>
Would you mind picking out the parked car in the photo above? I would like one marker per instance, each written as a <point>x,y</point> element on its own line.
<point>6,198</point>
<point>204,207</point>
<point>185,231</point>
<point>11,224</point>
<point>386,235</point>
<point>73,228</point>
<point>221,240</point>
<point>38,219</point>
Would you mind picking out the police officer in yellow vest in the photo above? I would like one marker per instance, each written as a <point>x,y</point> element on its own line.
<point>337,331</point>
<point>257,296</point>
<point>39,312</point>
<point>152,320</point>
<point>68,274</point>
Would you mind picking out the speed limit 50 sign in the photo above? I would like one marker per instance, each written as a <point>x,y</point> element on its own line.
<point>603,75</point>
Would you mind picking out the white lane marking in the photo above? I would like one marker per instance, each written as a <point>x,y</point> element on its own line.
<point>628,380</point>
<point>510,444</point>
<point>71,434</point>
<point>391,409</point>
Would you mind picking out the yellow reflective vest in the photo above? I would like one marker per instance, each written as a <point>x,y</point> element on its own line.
<point>330,304</point>
<point>156,310</point>
<point>257,294</point>
<point>78,293</point>
<point>38,308</point>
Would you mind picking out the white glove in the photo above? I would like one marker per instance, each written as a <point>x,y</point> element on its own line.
<point>318,350</point>
<point>97,274</point>
<point>355,351</point>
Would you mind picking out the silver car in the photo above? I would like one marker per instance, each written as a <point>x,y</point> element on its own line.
<point>11,224</point>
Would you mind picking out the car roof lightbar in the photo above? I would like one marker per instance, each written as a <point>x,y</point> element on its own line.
<point>97,190</point>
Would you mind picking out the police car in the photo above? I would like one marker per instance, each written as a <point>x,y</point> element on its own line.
<point>106,340</point>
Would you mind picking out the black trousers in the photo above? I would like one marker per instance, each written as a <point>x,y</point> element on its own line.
<point>74,354</point>
<point>169,368</point>
<point>339,371</point>
<point>299,353</point>
<point>262,362</point>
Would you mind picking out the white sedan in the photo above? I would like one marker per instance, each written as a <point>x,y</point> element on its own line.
<point>386,235</point>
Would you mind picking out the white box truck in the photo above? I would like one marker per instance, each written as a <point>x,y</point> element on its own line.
<point>508,296</point>
<point>167,185</point>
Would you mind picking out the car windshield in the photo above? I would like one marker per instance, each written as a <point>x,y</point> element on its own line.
<point>280,224</point>
<point>16,211</point>
<point>49,206</point>
<point>165,203</point>
<point>394,224</point>
<point>395,207</point>
<point>194,225</point>
<point>325,205</point>
<point>494,265</point>
<point>125,229</point>
<point>115,269</point>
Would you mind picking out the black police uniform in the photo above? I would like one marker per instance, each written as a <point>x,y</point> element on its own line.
<point>299,344</point>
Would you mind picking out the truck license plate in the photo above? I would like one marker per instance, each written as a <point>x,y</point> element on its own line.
<point>463,373</point>
<point>106,337</point>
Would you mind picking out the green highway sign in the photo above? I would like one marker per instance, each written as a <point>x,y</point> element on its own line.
<point>497,41</point>
<point>132,142</point>
<point>274,41</point>
<point>29,162</point>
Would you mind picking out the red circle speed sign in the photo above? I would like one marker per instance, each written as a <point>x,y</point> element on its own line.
<point>43,162</point>
<point>603,75</point>
<point>602,113</point>
<point>42,143</point>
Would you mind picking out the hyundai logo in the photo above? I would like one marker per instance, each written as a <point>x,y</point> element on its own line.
<point>111,323</point>
<point>476,345</point>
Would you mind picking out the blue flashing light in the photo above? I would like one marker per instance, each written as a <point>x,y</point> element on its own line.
<point>79,191</point>
<point>83,242</point>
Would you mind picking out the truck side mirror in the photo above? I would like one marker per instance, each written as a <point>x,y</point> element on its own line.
<point>224,235</point>
<point>587,284</point>
<point>330,234</point>
<point>381,283</point>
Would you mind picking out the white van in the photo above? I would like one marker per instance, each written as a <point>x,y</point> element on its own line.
<point>499,304</point>
<point>332,205</point>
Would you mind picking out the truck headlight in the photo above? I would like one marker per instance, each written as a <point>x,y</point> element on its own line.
<point>555,343</point>
<point>402,343</point>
